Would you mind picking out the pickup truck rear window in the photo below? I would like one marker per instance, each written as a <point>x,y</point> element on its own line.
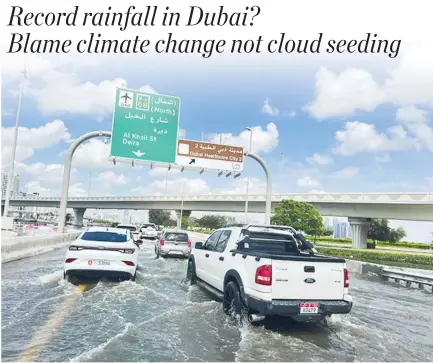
<point>272,243</point>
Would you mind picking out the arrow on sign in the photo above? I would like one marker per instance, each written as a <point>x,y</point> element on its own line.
<point>192,161</point>
<point>138,153</point>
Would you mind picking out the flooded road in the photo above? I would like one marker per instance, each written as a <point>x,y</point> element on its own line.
<point>161,318</point>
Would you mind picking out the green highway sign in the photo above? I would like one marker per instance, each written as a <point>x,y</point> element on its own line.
<point>145,126</point>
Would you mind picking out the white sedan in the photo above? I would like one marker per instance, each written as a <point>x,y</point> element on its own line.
<point>102,252</point>
<point>149,231</point>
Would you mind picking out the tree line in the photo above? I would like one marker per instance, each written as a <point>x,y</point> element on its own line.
<point>300,215</point>
<point>304,217</point>
<point>163,218</point>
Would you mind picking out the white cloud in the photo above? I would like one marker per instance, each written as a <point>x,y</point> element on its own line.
<point>110,178</point>
<point>57,89</point>
<point>385,158</point>
<point>269,109</point>
<point>175,187</point>
<point>93,154</point>
<point>409,83</point>
<point>31,139</point>
<point>412,81</point>
<point>362,137</point>
<point>263,140</point>
<point>77,190</point>
<point>160,170</point>
<point>36,187</point>
<point>307,181</point>
<point>416,121</point>
<point>291,114</point>
<point>346,173</point>
<point>320,159</point>
<point>342,95</point>
<point>430,180</point>
<point>43,172</point>
<point>239,186</point>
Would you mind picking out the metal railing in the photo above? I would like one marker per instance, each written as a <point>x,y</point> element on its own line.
<point>409,278</point>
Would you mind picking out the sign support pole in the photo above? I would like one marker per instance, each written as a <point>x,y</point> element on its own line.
<point>67,173</point>
<point>268,184</point>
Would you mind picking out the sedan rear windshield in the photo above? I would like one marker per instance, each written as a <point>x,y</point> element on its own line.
<point>131,228</point>
<point>101,236</point>
<point>180,237</point>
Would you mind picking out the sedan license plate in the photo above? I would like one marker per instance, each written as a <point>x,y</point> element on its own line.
<point>309,308</point>
<point>102,262</point>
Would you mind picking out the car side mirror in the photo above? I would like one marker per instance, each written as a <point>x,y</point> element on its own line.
<point>139,242</point>
<point>198,245</point>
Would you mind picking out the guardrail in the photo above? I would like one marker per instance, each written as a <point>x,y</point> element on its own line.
<point>420,280</point>
<point>387,198</point>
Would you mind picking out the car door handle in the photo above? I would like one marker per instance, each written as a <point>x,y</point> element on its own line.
<point>221,258</point>
<point>207,255</point>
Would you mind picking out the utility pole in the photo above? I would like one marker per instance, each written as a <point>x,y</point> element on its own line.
<point>11,176</point>
<point>181,206</point>
<point>248,179</point>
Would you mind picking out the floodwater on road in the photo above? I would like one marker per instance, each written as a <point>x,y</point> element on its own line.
<point>161,318</point>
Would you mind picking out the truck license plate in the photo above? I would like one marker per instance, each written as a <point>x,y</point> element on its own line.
<point>309,308</point>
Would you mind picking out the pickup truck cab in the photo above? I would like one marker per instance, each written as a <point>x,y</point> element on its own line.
<point>270,270</point>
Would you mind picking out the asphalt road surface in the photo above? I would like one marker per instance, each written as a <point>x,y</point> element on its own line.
<point>161,318</point>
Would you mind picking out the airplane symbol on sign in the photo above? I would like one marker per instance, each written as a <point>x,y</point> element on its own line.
<point>126,97</point>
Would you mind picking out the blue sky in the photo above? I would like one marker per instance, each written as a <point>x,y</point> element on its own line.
<point>366,97</point>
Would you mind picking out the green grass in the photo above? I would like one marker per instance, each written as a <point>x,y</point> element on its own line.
<point>348,241</point>
<point>390,258</point>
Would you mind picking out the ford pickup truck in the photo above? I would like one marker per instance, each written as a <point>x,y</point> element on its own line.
<point>264,270</point>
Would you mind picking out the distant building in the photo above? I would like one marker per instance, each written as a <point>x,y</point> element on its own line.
<point>15,185</point>
<point>341,230</point>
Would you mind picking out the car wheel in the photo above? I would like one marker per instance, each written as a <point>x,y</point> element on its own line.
<point>190,273</point>
<point>156,252</point>
<point>232,302</point>
<point>64,275</point>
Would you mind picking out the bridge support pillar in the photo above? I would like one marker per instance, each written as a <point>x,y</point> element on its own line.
<point>185,213</point>
<point>360,228</point>
<point>79,215</point>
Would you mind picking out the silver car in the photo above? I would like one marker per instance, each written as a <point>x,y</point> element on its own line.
<point>174,243</point>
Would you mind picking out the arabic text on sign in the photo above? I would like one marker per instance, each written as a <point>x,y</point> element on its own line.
<point>135,116</point>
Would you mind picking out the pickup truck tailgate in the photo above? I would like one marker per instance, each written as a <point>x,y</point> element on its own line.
<point>305,280</point>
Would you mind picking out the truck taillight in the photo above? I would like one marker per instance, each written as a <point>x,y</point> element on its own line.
<point>264,275</point>
<point>346,277</point>
<point>189,244</point>
<point>161,241</point>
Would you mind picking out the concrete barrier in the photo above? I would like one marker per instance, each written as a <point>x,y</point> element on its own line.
<point>16,248</point>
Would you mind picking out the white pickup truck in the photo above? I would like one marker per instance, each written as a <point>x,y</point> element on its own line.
<point>270,270</point>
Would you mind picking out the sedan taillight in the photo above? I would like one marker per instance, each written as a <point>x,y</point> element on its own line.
<point>129,263</point>
<point>69,260</point>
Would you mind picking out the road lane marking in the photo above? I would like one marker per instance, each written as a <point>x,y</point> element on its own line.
<point>44,334</point>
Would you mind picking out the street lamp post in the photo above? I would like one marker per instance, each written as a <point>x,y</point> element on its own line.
<point>248,179</point>
<point>14,146</point>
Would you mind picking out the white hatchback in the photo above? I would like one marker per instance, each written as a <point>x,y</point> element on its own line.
<point>102,252</point>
